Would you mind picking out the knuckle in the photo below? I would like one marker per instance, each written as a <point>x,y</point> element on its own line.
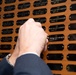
<point>39,24</point>
<point>21,27</point>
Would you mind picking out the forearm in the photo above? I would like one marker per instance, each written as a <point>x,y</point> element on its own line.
<point>31,64</point>
<point>5,68</point>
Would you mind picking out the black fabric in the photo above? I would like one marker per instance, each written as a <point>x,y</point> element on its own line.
<point>28,64</point>
<point>5,68</point>
<point>31,64</point>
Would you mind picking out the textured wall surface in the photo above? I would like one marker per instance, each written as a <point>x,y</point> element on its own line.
<point>58,18</point>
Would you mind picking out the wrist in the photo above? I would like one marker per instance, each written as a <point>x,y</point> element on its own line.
<point>12,60</point>
<point>7,58</point>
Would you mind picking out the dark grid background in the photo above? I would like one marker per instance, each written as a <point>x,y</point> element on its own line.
<point>58,18</point>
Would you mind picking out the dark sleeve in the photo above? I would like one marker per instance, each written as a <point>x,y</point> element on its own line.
<point>30,64</point>
<point>5,68</point>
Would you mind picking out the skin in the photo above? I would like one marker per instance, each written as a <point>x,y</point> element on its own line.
<point>31,38</point>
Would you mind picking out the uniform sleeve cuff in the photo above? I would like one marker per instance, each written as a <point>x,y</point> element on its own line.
<point>31,53</point>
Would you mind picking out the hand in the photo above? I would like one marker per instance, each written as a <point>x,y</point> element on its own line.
<point>32,37</point>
